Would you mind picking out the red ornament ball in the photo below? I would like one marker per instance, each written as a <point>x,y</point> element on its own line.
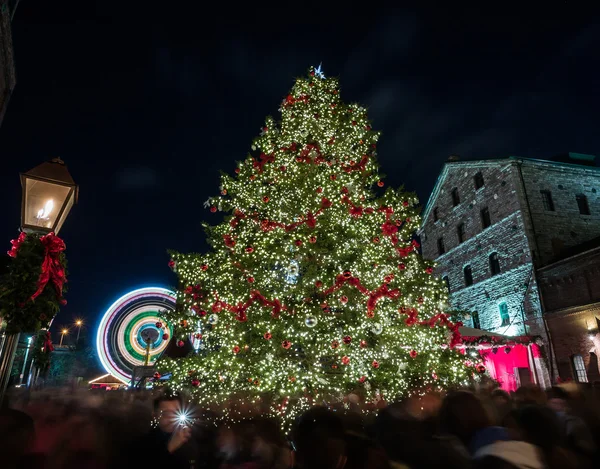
<point>157,375</point>
<point>413,354</point>
<point>312,73</point>
<point>353,122</point>
<point>335,344</point>
<point>236,350</point>
<point>318,284</point>
<point>282,168</point>
<point>375,364</point>
<point>204,267</point>
<point>249,249</point>
<point>362,379</point>
<point>286,344</point>
<point>265,199</point>
<point>334,366</point>
<point>265,129</point>
<point>429,270</point>
<point>313,239</point>
<point>408,219</point>
<point>347,339</point>
<point>224,192</point>
<point>159,325</point>
<point>180,343</point>
<point>405,203</point>
<point>292,379</point>
<point>213,209</point>
<point>298,242</point>
<point>344,299</point>
<point>380,183</point>
<point>319,190</point>
<point>267,336</point>
<point>376,239</point>
<point>201,313</point>
<point>253,177</point>
<point>198,336</point>
<point>345,360</point>
<point>402,266</point>
<point>344,190</point>
<point>237,170</point>
<point>195,382</point>
<point>250,279</point>
<point>165,336</point>
<point>420,300</point>
<point>388,278</point>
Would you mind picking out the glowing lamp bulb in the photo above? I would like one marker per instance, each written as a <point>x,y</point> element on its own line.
<point>44,213</point>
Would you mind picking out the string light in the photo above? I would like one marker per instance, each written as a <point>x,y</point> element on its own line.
<point>304,210</point>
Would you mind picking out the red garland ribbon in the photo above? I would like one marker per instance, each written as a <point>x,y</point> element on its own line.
<point>16,244</point>
<point>442,318</point>
<point>240,309</point>
<point>48,347</point>
<point>52,270</point>
<point>361,166</point>
<point>374,296</point>
<point>263,159</point>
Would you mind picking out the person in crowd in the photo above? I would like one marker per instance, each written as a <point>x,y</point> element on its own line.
<point>318,440</point>
<point>170,441</point>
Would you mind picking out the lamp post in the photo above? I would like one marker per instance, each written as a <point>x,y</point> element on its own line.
<point>63,333</point>
<point>25,361</point>
<point>48,194</point>
<point>78,323</point>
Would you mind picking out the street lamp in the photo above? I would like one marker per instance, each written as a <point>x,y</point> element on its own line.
<point>78,323</point>
<point>63,333</point>
<point>49,193</point>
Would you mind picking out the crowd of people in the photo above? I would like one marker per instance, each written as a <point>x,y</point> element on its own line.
<point>487,428</point>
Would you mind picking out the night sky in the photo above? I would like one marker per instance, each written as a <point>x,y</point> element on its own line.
<point>146,102</point>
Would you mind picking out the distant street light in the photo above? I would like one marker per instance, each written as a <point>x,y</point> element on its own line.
<point>78,323</point>
<point>63,333</point>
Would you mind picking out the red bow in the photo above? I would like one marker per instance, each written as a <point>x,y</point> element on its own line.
<point>52,270</point>
<point>16,244</point>
<point>48,347</point>
<point>376,295</point>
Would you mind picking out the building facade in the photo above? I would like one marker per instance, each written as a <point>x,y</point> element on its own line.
<point>7,65</point>
<point>492,224</point>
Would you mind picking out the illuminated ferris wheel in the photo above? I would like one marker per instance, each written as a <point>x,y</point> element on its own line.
<point>132,332</point>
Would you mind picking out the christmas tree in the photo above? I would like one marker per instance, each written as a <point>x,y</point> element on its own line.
<point>314,287</point>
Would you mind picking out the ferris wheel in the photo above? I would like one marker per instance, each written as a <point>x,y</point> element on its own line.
<point>132,331</point>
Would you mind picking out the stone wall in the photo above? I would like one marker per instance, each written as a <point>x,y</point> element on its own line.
<point>565,226</point>
<point>7,68</point>
<point>515,285</point>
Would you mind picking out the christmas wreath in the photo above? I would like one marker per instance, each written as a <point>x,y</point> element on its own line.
<point>31,289</point>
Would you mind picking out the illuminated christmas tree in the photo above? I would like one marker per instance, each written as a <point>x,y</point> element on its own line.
<point>314,288</point>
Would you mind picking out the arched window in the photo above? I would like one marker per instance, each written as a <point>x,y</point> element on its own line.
<point>494,264</point>
<point>479,183</point>
<point>446,281</point>
<point>455,197</point>
<point>475,320</point>
<point>468,275</point>
<point>504,316</point>
<point>579,369</point>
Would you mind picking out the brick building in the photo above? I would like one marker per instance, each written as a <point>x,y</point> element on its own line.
<point>491,225</point>
<point>7,65</point>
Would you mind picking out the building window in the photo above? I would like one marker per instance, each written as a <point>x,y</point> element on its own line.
<point>494,263</point>
<point>455,197</point>
<point>468,275</point>
<point>582,203</point>
<point>547,201</point>
<point>475,320</point>
<point>441,247</point>
<point>436,215</point>
<point>460,231</point>
<point>446,281</point>
<point>479,183</point>
<point>504,316</point>
<point>485,218</point>
<point>579,369</point>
